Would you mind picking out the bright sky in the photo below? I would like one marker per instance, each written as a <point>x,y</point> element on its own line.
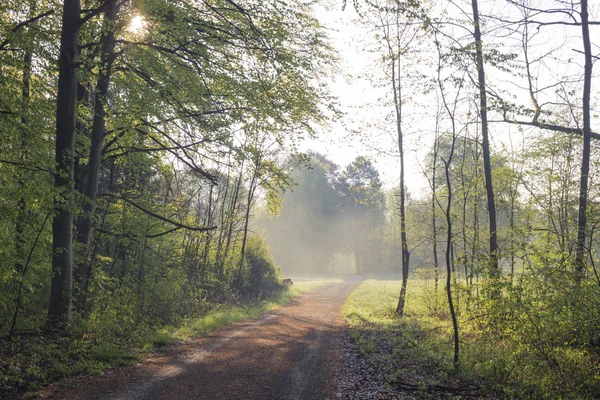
<point>358,97</point>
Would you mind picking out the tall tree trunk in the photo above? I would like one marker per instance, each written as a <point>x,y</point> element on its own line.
<point>436,264</point>
<point>209,234</point>
<point>449,254</point>
<point>487,166</point>
<point>397,87</point>
<point>84,225</point>
<point>249,198</point>
<point>449,251</point>
<point>223,219</point>
<point>59,308</point>
<point>512,236</point>
<point>447,163</point>
<point>476,227</point>
<point>465,198</point>
<point>587,135</point>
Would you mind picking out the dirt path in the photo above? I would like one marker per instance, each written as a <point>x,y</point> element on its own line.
<point>290,353</point>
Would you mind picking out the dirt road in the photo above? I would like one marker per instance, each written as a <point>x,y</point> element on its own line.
<point>286,354</point>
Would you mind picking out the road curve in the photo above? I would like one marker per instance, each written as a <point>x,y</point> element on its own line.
<point>285,354</point>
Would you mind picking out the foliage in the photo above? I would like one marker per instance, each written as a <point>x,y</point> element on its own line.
<point>31,361</point>
<point>198,100</point>
<point>262,275</point>
<point>182,122</point>
<point>182,111</point>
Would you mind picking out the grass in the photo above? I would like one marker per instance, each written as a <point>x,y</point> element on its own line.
<point>415,349</point>
<point>229,314</point>
<point>500,355</point>
<point>27,363</point>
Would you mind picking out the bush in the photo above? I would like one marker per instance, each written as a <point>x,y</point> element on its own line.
<point>262,276</point>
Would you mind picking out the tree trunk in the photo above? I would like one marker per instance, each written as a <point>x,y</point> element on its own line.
<point>512,237</point>
<point>246,221</point>
<point>475,246</point>
<point>223,219</point>
<point>84,225</point>
<point>436,264</point>
<point>59,308</point>
<point>449,256</point>
<point>464,256</point>
<point>208,235</point>
<point>20,224</point>
<point>487,166</point>
<point>397,87</point>
<point>587,134</point>
<point>449,251</point>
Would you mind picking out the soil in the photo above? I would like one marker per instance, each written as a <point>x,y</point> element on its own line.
<point>294,352</point>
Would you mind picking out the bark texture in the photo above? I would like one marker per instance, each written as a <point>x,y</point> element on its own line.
<point>59,309</point>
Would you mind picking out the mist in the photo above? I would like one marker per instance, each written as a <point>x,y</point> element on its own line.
<point>333,221</point>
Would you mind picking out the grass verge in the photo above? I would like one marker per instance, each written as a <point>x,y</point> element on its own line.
<point>499,357</point>
<point>231,314</point>
<point>404,353</point>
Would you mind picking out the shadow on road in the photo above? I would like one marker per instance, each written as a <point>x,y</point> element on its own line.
<point>286,354</point>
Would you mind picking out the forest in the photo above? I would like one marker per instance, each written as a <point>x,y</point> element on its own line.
<point>153,172</point>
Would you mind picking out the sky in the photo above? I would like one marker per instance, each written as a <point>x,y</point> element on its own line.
<point>358,97</point>
<point>363,129</point>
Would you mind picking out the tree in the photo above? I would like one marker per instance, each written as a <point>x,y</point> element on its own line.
<point>97,134</point>
<point>359,187</point>
<point>585,157</point>
<point>59,308</point>
<point>398,38</point>
<point>396,29</point>
<point>140,107</point>
<point>304,234</point>
<point>485,145</point>
<point>537,17</point>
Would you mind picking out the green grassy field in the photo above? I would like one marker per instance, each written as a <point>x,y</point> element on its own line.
<point>500,356</point>
<point>415,349</point>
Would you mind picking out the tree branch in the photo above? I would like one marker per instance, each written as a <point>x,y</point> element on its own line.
<point>32,168</point>
<point>160,217</point>
<point>552,127</point>
<point>91,13</point>
<point>25,23</point>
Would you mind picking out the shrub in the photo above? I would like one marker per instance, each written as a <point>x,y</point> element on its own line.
<point>262,275</point>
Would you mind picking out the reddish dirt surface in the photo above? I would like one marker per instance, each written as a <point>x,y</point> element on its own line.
<point>290,353</point>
